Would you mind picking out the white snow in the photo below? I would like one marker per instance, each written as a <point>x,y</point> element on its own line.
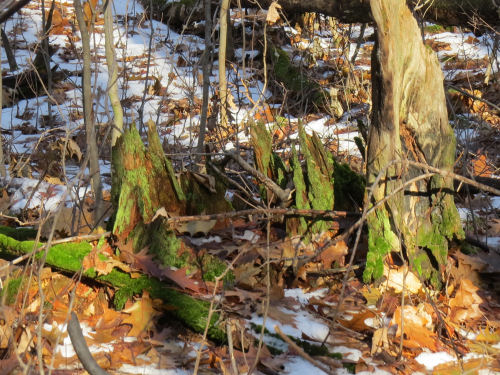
<point>431,360</point>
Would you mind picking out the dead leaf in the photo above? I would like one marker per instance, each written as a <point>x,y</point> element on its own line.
<point>141,315</point>
<point>399,277</point>
<point>272,14</point>
<point>103,261</point>
<point>416,328</point>
<point>334,253</point>
<point>465,305</point>
<point>195,227</point>
<point>182,279</point>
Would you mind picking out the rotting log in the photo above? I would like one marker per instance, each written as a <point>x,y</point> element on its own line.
<point>69,257</point>
<point>409,122</point>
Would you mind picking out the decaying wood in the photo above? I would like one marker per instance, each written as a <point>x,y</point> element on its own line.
<point>409,122</point>
<point>68,257</point>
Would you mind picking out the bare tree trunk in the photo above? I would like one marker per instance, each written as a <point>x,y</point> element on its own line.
<point>112,73</point>
<point>3,171</point>
<point>95,175</point>
<point>409,122</point>
<point>222,62</point>
<point>207,68</point>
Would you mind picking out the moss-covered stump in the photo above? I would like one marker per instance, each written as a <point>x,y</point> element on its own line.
<point>143,182</point>
<point>267,161</point>
<point>409,121</point>
<point>69,258</point>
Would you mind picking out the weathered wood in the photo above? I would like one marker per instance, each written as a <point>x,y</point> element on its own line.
<point>69,257</point>
<point>409,121</point>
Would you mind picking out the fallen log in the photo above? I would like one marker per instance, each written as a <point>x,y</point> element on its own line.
<point>68,257</point>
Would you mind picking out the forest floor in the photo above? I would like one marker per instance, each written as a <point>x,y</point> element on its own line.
<point>336,323</point>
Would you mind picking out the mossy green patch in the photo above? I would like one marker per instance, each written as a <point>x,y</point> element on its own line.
<point>11,290</point>
<point>20,234</point>
<point>381,241</point>
<point>293,79</point>
<point>349,188</point>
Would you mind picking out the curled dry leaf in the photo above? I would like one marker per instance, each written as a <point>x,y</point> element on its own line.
<point>416,323</point>
<point>399,277</point>
<point>465,305</point>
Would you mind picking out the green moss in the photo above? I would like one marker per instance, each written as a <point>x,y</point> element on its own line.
<point>434,29</point>
<point>20,234</point>
<point>349,188</point>
<point>320,184</point>
<point>11,289</point>
<point>293,79</point>
<point>381,241</point>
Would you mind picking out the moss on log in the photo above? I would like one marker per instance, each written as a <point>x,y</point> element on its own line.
<point>69,257</point>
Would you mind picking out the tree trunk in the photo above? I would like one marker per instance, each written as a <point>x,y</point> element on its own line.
<point>112,73</point>
<point>95,174</point>
<point>409,122</point>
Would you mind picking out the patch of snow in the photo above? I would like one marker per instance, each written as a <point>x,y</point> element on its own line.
<point>303,298</point>
<point>201,241</point>
<point>431,360</point>
<point>150,370</point>
<point>298,365</point>
<point>304,323</point>
<point>248,235</point>
<point>348,353</point>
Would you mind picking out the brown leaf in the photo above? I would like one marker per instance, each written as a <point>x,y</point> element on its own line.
<point>465,305</point>
<point>141,315</point>
<point>415,328</point>
<point>180,278</point>
<point>334,253</point>
<point>272,14</point>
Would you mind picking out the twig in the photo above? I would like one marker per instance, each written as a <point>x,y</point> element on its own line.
<point>472,96</point>
<point>81,348</point>
<point>265,211</point>
<point>302,353</point>
<point>332,271</point>
<point>88,237</point>
<point>455,176</point>
<point>283,195</point>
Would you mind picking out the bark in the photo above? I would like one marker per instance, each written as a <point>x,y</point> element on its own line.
<point>95,174</point>
<point>112,73</point>
<point>409,122</point>
<point>68,258</point>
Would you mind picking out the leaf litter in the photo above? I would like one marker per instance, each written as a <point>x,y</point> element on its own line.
<point>134,340</point>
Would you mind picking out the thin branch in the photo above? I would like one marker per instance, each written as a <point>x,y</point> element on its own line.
<point>302,353</point>
<point>283,195</point>
<point>81,348</point>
